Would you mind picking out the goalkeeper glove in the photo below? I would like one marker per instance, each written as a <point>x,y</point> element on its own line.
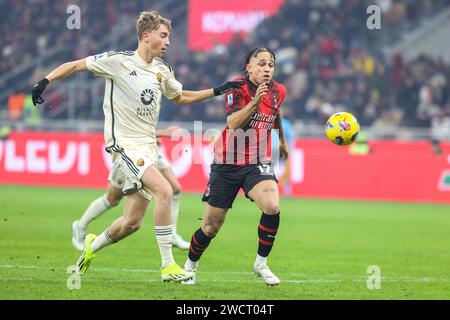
<point>227,86</point>
<point>37,91</point>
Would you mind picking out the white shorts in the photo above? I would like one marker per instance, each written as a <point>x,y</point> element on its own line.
<point>129,164</point>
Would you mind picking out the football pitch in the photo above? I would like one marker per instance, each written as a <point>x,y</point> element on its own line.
<point>323,251</point>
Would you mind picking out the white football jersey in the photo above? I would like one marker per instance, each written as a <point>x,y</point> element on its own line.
<point>132,98</point>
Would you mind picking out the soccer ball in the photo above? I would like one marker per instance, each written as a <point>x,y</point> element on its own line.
<point>342,128</point>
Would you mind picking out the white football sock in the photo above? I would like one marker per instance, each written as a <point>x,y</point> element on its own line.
<point>260,260</point>
<point>190,265</point>
<point>96,208</point>
<point>102,241</point>
<point>175,212</point>
<point>164,239</point>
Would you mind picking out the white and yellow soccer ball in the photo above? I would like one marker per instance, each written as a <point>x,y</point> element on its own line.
<point>342,128</point>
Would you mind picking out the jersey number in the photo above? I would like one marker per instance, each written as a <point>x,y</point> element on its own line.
<point>264,168</point>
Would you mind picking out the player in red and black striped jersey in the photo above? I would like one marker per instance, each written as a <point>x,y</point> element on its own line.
<point>242,160</point>
<point>248,141</point>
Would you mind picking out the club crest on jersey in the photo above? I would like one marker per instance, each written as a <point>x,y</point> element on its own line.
<point>140,162</point>
<point>159,77</point>
<point>229,99</point>
<point>275,102</point>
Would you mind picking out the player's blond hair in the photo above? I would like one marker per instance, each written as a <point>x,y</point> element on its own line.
<point>149,21</point>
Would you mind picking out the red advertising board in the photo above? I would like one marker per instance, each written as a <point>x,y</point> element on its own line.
<point>213,22</point>
<point>393,171</point>
<point>54,159</point>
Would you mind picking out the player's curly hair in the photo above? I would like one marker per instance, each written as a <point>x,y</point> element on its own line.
<point>150,20</point>
<point>254,53</point>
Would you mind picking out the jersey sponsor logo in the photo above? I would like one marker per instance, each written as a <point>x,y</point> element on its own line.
<point>140,162</point>
<point>159,77</point>
<point>133,73</point>
<point>262,121</point>
<point>143,112</point>
<point>147,96</point>
<point>229,99</point>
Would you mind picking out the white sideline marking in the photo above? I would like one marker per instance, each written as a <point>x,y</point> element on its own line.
<point>13,266</point>
<point>335,277</point>
<point>157,280</point>
<point>94,269</point>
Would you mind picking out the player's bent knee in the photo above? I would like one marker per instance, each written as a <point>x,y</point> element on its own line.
<point>271,208</point>
<point>164,194</point>
<point>114,202</point>
<point>176,190</point>
<point>132,226</point>
<point>113,198</point>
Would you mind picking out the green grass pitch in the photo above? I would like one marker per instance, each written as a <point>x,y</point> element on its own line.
<point>322,251</point>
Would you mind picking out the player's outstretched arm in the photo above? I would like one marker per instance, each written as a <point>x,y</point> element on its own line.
<point>187,97</point>
<point>64,70</point>
<point>67,69</point>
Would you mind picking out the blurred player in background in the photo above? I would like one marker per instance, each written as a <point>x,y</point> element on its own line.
<point>361,146</point>
<point>252,112</point>
<point>135,82</point>
<point>114,194</point>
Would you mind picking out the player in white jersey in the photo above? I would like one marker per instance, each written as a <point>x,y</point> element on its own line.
<point>135,82</point>
<point>114,195</point>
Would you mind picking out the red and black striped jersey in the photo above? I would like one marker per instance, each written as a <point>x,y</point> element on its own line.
<point>251,144</point>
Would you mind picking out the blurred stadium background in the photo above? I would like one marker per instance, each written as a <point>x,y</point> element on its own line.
<point>395,80</point>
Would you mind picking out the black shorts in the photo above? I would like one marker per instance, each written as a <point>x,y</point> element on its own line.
<point>226,180</point>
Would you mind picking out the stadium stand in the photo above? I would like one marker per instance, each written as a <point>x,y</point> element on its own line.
<point>326,59</point>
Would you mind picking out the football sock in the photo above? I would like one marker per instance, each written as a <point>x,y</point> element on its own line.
<point>175,211</point>
<point>101,241</point>
<point>190,265</point>
<point>164,239</point>
<point>199,242</point>
<point>267,230</point>
<point>260,260</point>
<point>96,208</point>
